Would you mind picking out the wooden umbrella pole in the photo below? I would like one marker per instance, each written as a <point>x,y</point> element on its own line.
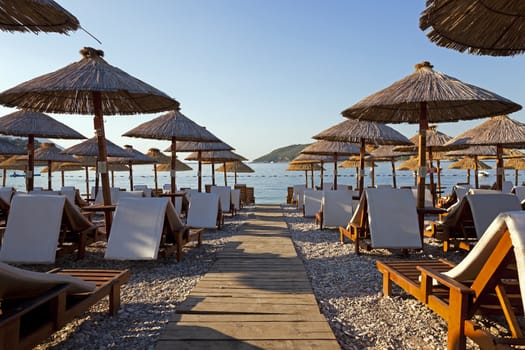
<point>439,178</point>
<point>173,164</point>
<point>235,175</point>
<point>373,174</point>
<point>225,175</point>
<point>393,162</point>
<point>423,126</point>
<point>87,182</point>
<point>499,167</point>
<point>4,177</point>
<point>212,173</point>
<point>112,178</point>
<point>306,177</point>
<point>515,177</point>
<point>322,176</point>
<point>199,153</point>
<point>63,178</point>
<point>155,179</point>
<point>357,178</point>
<point>335,171</point>
<point>49,185</point>
<point>130,164</point>
<point>30,162</point>
<point>361,167</point>
<point>476,178</point>
<point>102,166</point>
<point>312,175</point>
<point>431,175</point>
<point>468,176</point>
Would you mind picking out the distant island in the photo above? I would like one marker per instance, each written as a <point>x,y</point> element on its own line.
<point>283,154</point>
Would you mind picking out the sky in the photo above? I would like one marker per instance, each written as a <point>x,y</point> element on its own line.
<point>259,74</point>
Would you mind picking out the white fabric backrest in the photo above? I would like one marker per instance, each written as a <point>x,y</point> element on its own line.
<point>519,191</point>
<point>20,283</point>
<point>384,186</point>
<point>312,202</point>
<point>119,195</point>
<point>516,224</point>
<point>114,192</point>
<point>44,193</point>
<point>507,187</point>
<point>32,229</point>
<point>428,197</point>
<point>67,188</point>
<point>178,205</point>
<point>461,191</point>
<point>144,188</point>
<point>69,193</point>
<point>485,208</point>
<point>166,187</point>
<point>328,186</point>
<point>225,196</point>
<point>6,193</point>
<point>298,195</point>
<point>203,210</point>
<point>482,191</point>
<point>236,199</point>
<point>337,207</point>
<point>137,229</point>
<point>392,218</point>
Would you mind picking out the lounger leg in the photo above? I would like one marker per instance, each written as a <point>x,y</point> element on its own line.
<point>458,305</point>
<point>114,299</point>
<point>387,284</point>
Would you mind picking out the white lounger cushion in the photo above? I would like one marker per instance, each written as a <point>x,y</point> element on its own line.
<point>312,202</point>
<point>298,195</point>
<point>428,197</point>
<point>520,192</point>
<point>137,229</point>
<point>337,207</point>
<point>203,210</point>
<point>485,208</point>
<point>33,228</point>
<point>236,199</point>
<point>392,218</point>
<point>6,193</point>
<point>224,193</point>
<point>20,283</point>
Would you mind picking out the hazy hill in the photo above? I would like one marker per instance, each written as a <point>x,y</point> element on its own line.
<point>283,154</point>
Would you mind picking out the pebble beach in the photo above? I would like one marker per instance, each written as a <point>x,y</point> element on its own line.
<point>348,289</point>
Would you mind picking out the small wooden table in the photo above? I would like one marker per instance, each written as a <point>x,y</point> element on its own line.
<point>108,210</point>
<point>421,212</point>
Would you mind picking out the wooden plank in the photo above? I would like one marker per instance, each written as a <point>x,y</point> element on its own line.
<point>248,317</point>
<point>233,344</point>
<point>206,307</point>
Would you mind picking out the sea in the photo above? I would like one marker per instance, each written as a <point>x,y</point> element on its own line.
<point>270,180</point>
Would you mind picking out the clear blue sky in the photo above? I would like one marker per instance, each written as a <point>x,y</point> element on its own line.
<point>259,74</point>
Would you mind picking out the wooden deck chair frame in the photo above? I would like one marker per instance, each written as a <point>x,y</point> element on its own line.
<point>358,228</point>
<point>493,289</point>
<point>26,322</point>
<point>178,234</point>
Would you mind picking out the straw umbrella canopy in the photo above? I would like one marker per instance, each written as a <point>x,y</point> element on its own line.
<point>179,166</point>
<point>469,163</point>
<point>134,157</point>
<point>36,16</point>
<point>160,158</point>
<point>363,132</point>
<point>83,162</point>
<point>476,152</point>
<point>313,159</point>
<point>427,96</point>
<point>50,153</point>
<point>200,147</point>
<point>89,86</point>
<point>333,148</point>
<point>173,126</point>
<point>90,148</point>
<point>517,164</point>
<point>499,131</point>
<point>355,162</point>
<point>235,167</point>
<point>495,27</point>
<point>387,153</point>
<point>305,166</point>
<point>8,148</point>
<point>216,157</point>
<point>34,124</point>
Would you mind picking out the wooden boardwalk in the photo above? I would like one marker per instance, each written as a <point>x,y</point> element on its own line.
<point>256,296</point>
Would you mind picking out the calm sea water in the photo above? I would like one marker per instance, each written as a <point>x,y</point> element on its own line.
<point>270,180</point>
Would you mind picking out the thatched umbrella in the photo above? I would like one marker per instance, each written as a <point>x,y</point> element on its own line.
<point>216,157</point>
<point>476,152</point>
<point>313,159</point>
<point>355,162</point>
<point>173,126</point>
<point>90,148</point>
<point>160,158</point>
<point>469,163</point>
<point>62,167</point>
<point>179,166</point>
<point>34,124</point>
<point>36,16</point>
<point>499,131</point>
<point>89,86</point>
<point>200,147</point>
<point>427,96</point>
<point>387,153</point>
<point>50,153</point>
<point>363,132</point>
<point>495,27</point>
<point>134,157</point>
<point>517,164</point>
<point>235,167</point>
<point>312,166</point>
<point>112,167</point>
<point>333,148</point>
<point>8,148</point>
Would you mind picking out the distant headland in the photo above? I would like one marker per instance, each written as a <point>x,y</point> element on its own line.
<point>283,154</point>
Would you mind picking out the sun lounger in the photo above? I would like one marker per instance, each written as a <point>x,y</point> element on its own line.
<point>485,283</point>
<point>298,195</point>
<point>144,188</point>
<point>519,191</point>
<point>312,202</point>
<point>177,234</point>
<point>429,202</point>
<point>387,217</point>
<point>225,197</point>
<point>236,200</point>
<point>507,187</point>
<point>204,211</point>
<point>39,227</point>
<point>35,305</point>
<point>6,193</point>
<point>336,208</point>
<point>465,224</point>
